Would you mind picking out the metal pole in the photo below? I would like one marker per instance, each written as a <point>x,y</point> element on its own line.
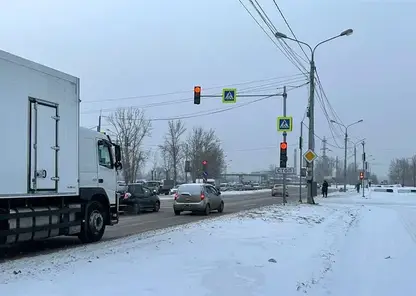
<point>362,181</point>
<point>284,140</point>
<point>345,160</point>
<point>300,161</point>
<point>355,159</point>
<point>311,136</point>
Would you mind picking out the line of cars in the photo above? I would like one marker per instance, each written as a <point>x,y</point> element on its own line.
<point>192,197</point>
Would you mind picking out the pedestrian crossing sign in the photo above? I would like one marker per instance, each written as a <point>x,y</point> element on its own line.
<point>229,95</point>
<point>284,124</point>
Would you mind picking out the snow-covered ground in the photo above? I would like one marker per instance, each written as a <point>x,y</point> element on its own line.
<point>346,245</point>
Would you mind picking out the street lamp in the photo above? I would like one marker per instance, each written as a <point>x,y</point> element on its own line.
<point>355,152</point>
<point>345,147</point>
<point>311,114</point>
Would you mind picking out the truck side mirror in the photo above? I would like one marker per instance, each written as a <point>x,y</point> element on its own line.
<point>119,166</point>
<point>117,151</point>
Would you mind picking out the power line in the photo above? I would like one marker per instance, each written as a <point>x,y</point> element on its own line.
<point>187,91</point>
<point>286,52</point>
<point>290,29</point>
<point>216,111</point>
<point>265,87</point>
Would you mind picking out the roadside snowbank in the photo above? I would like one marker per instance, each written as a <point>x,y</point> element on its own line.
<point>244,254</point>
<point>347,245</point>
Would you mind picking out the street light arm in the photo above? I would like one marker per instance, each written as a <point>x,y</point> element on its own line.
<point>295,40</point>
<point>340,124</point>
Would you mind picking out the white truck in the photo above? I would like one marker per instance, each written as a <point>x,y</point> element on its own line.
<point>56,178</point>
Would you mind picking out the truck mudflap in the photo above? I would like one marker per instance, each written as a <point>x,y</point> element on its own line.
<point>115,211</point>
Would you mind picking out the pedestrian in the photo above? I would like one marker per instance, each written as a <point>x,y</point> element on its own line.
<point>358,187</point>
<point>325,186</point>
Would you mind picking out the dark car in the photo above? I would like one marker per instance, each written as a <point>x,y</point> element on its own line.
<point>140,198</point>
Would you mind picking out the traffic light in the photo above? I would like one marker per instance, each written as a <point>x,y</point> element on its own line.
<point>197,95</point>
<point>283,154</point>
<point>361,175</point>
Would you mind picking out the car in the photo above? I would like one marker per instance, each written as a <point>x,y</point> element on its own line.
<point>140,198</point>
<point>277,190</point>
<point>173,191</point>
<point>197,197</point>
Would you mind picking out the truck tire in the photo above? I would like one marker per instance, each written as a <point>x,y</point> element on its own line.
<point>92,230</point>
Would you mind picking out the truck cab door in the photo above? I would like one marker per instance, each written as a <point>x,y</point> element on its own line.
<point>106,176</point>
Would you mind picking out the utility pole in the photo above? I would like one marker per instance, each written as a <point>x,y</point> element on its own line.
<point>362,181</point>
<point>311,136</point>
<point>325,157</point>
<point>99,122</point>
<point>355,159</point>
<point>311,104</point>
<point>284,140</point>
<point>300,160</point>
<point>295,160</point>
<point>336,172</point>
<point>345,159</point>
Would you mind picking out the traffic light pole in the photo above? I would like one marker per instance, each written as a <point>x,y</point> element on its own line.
<point>364,173</point>
<point>284,140</point>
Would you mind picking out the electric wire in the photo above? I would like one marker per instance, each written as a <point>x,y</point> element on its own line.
<point>260,11</point>
<point>274,86</point>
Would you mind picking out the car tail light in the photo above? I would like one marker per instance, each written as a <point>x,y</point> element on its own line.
<point>176,195</point>
<point>202,196</point>
<point>127,195</point>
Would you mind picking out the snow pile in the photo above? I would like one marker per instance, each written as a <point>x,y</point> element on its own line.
<point>243,254</point>
<point>344,246</point>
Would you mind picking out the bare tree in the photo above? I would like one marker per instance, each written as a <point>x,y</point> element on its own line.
<point>173,148</point>
<point>205,145</point>
<point>131,127</point>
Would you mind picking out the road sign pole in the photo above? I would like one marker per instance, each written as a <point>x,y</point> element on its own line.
<point>300,161</point>
<point>284,140</point>
<point>362,181</point>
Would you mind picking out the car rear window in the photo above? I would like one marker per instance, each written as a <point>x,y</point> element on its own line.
<point>152,184</point>
<point>192,189</point>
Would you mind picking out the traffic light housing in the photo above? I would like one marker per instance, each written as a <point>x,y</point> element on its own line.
<point>283,154</point>
<point>361,175</point>
<point>197,95</point>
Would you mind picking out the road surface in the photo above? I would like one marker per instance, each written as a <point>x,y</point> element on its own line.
<point>134,224</point>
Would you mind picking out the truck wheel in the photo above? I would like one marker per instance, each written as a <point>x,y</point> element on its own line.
<point>92,230</point>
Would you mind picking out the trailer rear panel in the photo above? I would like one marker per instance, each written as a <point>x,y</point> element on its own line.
<point>39,124</point>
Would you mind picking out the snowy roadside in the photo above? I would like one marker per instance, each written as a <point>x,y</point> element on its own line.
<point>276,249</point>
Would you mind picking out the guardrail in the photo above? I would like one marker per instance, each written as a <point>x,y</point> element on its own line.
<point>394,190</point>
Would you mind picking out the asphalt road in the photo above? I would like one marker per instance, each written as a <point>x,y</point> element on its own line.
<point>130,225</point>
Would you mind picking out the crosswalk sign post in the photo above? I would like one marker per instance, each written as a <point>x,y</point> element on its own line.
<point>229,95</point>
<point>284,124</point>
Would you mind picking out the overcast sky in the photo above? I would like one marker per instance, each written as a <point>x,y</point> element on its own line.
<point>124,49</point>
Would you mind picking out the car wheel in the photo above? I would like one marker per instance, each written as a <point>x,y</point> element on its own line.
<point>156,207</point>
<point>137,209</point>
<point>92,230</point>
<point>177,213</point>
<point>221,208</point>
<point>207,210</point>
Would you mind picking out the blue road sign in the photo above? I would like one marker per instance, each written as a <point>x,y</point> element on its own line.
<point>284,124</point>
<point>229,95</point>
<point>205,174</point>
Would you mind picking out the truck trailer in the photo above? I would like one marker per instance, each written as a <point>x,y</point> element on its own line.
<point>56,177</point>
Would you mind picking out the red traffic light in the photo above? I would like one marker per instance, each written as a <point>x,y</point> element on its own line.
<point>204,162</point>
<point>197,89</point>
<point>283,145</point>
<point>361,175</point>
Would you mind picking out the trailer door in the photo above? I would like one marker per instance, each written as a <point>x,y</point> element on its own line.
<point>44,145</point>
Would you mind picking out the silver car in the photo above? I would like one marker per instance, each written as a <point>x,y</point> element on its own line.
<point>196,197</point>
<point>277,190</point>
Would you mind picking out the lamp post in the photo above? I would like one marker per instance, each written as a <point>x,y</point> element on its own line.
<point>311,114</point>
<point>345,147</point>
